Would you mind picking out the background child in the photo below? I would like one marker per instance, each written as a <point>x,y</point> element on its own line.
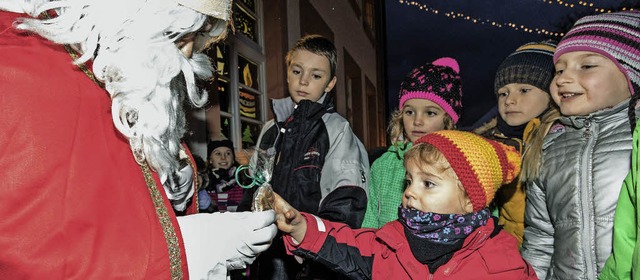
<point>321,167</point>
<point>430,100</point>
<point>444,229</point>
<point>521,86</point>
<point>571,203</point>
<point>223,189</point>
<point>624,262</point>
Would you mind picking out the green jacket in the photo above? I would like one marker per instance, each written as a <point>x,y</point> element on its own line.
<point>624,262</point>
<point>386,187</point>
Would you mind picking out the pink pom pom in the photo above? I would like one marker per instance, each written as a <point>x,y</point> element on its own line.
<point>448,62</point>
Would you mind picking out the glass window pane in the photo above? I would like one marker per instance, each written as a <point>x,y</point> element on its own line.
<point>245,23</point>
<point>219,55</point>
<point>249,104</point>
<point>225,125</point>
<point>247,72</point>
<point>250,133</point>
<point>222,95</point>
<point>251,4</point>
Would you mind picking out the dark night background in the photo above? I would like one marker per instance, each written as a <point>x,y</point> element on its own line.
<point>415,37</point>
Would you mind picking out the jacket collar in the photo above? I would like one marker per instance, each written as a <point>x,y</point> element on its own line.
<point>284,107</point>
<point>400,148</point>
<point>598,116</point>
<point>392,235</point>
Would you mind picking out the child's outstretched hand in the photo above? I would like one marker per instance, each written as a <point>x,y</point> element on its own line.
<point>288,219</point>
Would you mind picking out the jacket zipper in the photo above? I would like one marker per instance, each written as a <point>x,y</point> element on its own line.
<point>587,132</point>
<point>585,197</point>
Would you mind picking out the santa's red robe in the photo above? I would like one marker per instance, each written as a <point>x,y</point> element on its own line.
<point>74,204</point>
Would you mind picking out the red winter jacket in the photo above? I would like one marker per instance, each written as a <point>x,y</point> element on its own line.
<point>385,253</point>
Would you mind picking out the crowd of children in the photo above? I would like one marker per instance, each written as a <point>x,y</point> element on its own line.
<point>539,192</point>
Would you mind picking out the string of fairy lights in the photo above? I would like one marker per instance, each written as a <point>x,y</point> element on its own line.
<point>515,26</point>
<point>583,4</point>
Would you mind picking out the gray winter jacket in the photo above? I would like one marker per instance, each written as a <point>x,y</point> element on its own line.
<point>570,206</point>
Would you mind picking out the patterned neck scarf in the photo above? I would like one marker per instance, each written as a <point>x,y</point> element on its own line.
<point>442,228</point>
<point>434,238</point>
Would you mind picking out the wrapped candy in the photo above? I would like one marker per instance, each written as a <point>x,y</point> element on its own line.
<point>260,173</point>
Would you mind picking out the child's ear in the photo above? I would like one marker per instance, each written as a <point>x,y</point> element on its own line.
<point>330,85</point>
<point>468,206</point>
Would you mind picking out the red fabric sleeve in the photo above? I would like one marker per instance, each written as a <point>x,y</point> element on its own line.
<point>319,229</point>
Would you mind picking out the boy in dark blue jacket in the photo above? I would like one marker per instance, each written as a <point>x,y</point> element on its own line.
<point>321,167</point>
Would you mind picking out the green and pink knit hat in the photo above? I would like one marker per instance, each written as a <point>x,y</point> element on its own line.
<point>613,35</point>
<point>438,82</point>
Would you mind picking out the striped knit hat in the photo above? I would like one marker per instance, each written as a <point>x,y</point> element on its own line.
<point>438,82</point>
<point>482,165</point>
<point>531,63</point>
<point>613,35</point>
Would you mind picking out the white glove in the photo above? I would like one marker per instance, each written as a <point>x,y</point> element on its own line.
<point>220,241</point>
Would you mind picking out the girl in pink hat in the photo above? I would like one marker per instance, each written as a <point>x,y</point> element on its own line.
<point>430,100</point>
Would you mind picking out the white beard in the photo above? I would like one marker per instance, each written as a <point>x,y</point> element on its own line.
<point>132,46</point>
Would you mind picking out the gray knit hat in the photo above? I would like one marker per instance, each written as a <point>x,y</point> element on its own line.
<point>531,63</point>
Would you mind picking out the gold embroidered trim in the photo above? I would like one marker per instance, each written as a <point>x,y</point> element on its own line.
<point>83,67</point>
<point>196,183</point>
<point>74,55</point>
<point>165,221</point>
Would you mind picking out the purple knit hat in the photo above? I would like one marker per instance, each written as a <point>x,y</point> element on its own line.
<point>613,35</point>
<point>438,82</point>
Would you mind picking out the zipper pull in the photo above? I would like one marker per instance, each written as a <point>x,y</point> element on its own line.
<point>587,132</point>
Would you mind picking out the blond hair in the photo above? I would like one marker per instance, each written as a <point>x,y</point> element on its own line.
<point>424,154</point>
<point>532,155</point>
<point>396,127</point>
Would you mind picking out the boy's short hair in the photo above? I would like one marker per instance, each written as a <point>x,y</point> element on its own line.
<point>318,45</point>
<point>481,165</point>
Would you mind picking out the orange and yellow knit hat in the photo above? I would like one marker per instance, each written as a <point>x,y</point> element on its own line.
<point>482,165</point>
